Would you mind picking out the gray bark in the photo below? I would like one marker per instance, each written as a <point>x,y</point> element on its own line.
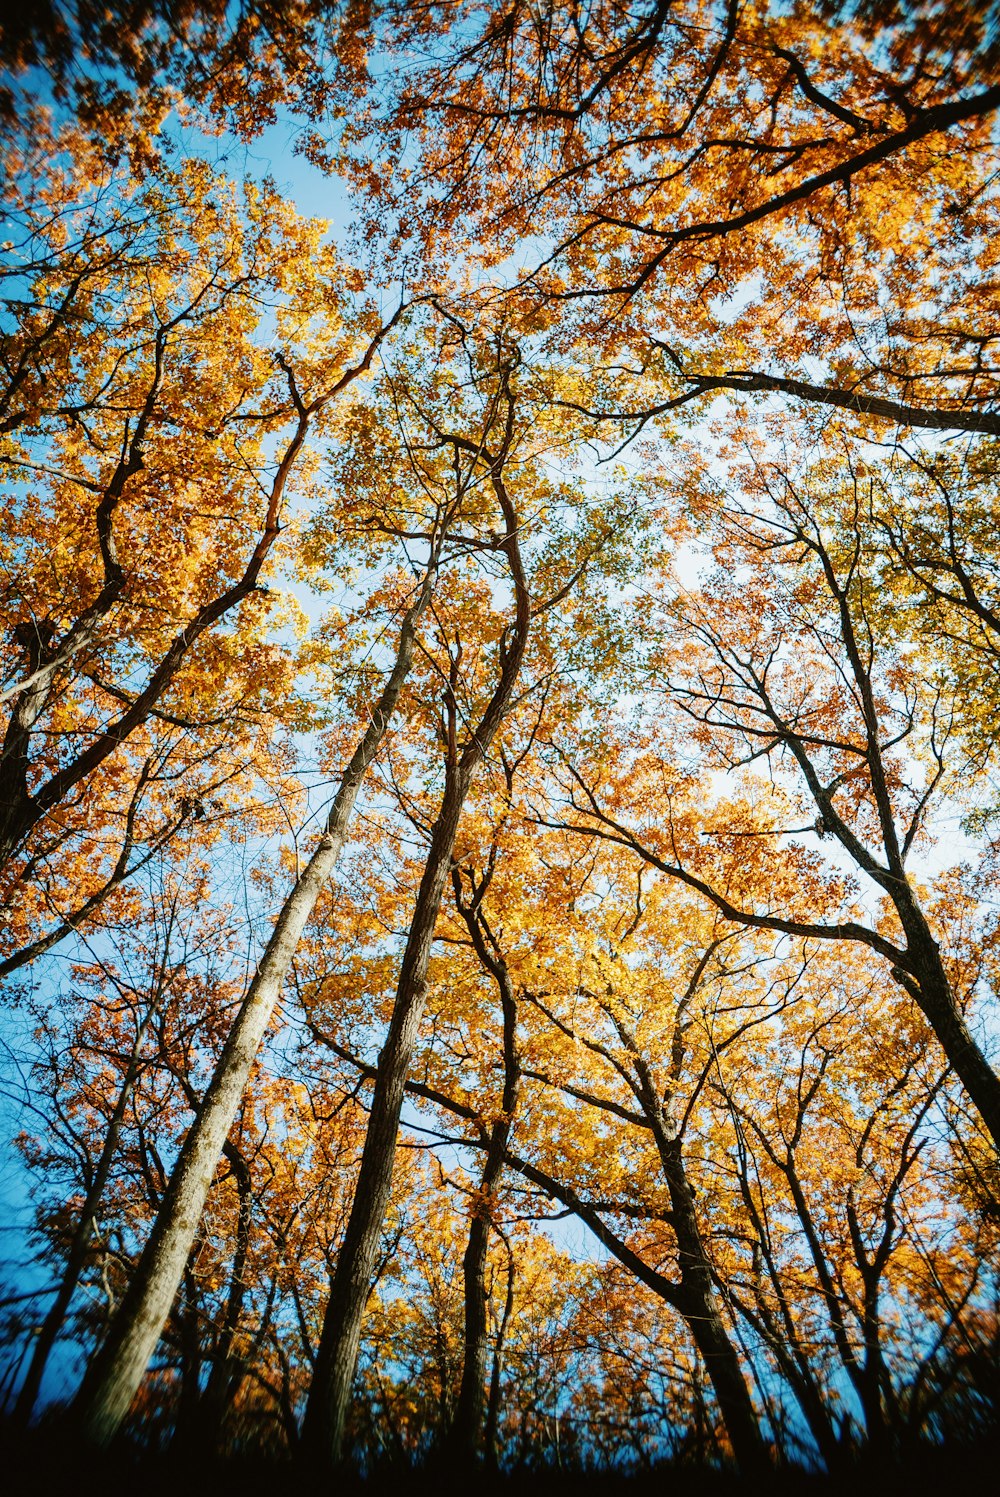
<point>111,1381</point>
<point>466,1436</point>
<point>329,1397</point>
<point>337,1358</point>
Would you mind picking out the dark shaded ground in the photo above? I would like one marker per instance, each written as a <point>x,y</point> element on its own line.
<point>46,1462</point>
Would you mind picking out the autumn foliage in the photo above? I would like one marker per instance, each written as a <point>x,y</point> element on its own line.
<point>498,812</point>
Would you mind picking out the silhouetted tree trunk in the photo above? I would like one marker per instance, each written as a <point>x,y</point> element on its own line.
<point>77,1256</point>
<point>467,1432</point>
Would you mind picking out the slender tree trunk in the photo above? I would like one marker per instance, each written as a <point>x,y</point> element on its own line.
<point>834,1308</point>
<point>699,1306</point>
<point>493,1402</point>
<point>77,1256</point>
<point>784,1341</point>
<point>52,1324</point>
<point>336,1361</point>
<point>114,1375</point>
<point>795,1368</point>
<point>465,1436</point>
<point>928,983</point>
<point>467,1433</point>
<point>187,1316</point>
<point>337,1358</point>
<point>696,1297</point>
<point>225,1375</point>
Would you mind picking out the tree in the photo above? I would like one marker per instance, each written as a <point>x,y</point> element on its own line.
<point>114,1376</point>
<point>151,442</point>
<point>735,192</point>
<point>648,727</point>
<point>815,688</point>
<point>609,997</point>
<point>115,1034</point>
<point>485,454</point>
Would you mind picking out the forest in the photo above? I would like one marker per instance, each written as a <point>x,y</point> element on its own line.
<point>499,817</point>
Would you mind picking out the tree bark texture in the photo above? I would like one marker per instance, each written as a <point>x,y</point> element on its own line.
<point>114,1375</point>
<point>467,1433</point>
<point>337,1357</point>
<point>698,1302</point>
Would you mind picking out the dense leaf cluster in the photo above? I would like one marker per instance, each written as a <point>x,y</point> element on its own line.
<point>498,813</point>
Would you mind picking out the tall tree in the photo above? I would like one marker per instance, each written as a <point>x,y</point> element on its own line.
<point>815,691</point>
<point>114,1375</point>
<point>488,453</point>
<point>152,441</point>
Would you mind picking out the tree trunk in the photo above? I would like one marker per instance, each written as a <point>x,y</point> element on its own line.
<point>114,1375</point>
<point>784,1341</point>
<point>490,1436</point>
<point>199,1434</point>
<point>927,982</point>
<point>696,1298</point>
<point>467,1434</point>
<point>77,1256</point>
<point>337,1358</point>
<point>336,1361</point>
<point>187,1318</point>
<point>698,1304</point>
<point>225,1376</point>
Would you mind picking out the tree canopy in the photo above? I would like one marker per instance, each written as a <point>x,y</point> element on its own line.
<point>498,811</point>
